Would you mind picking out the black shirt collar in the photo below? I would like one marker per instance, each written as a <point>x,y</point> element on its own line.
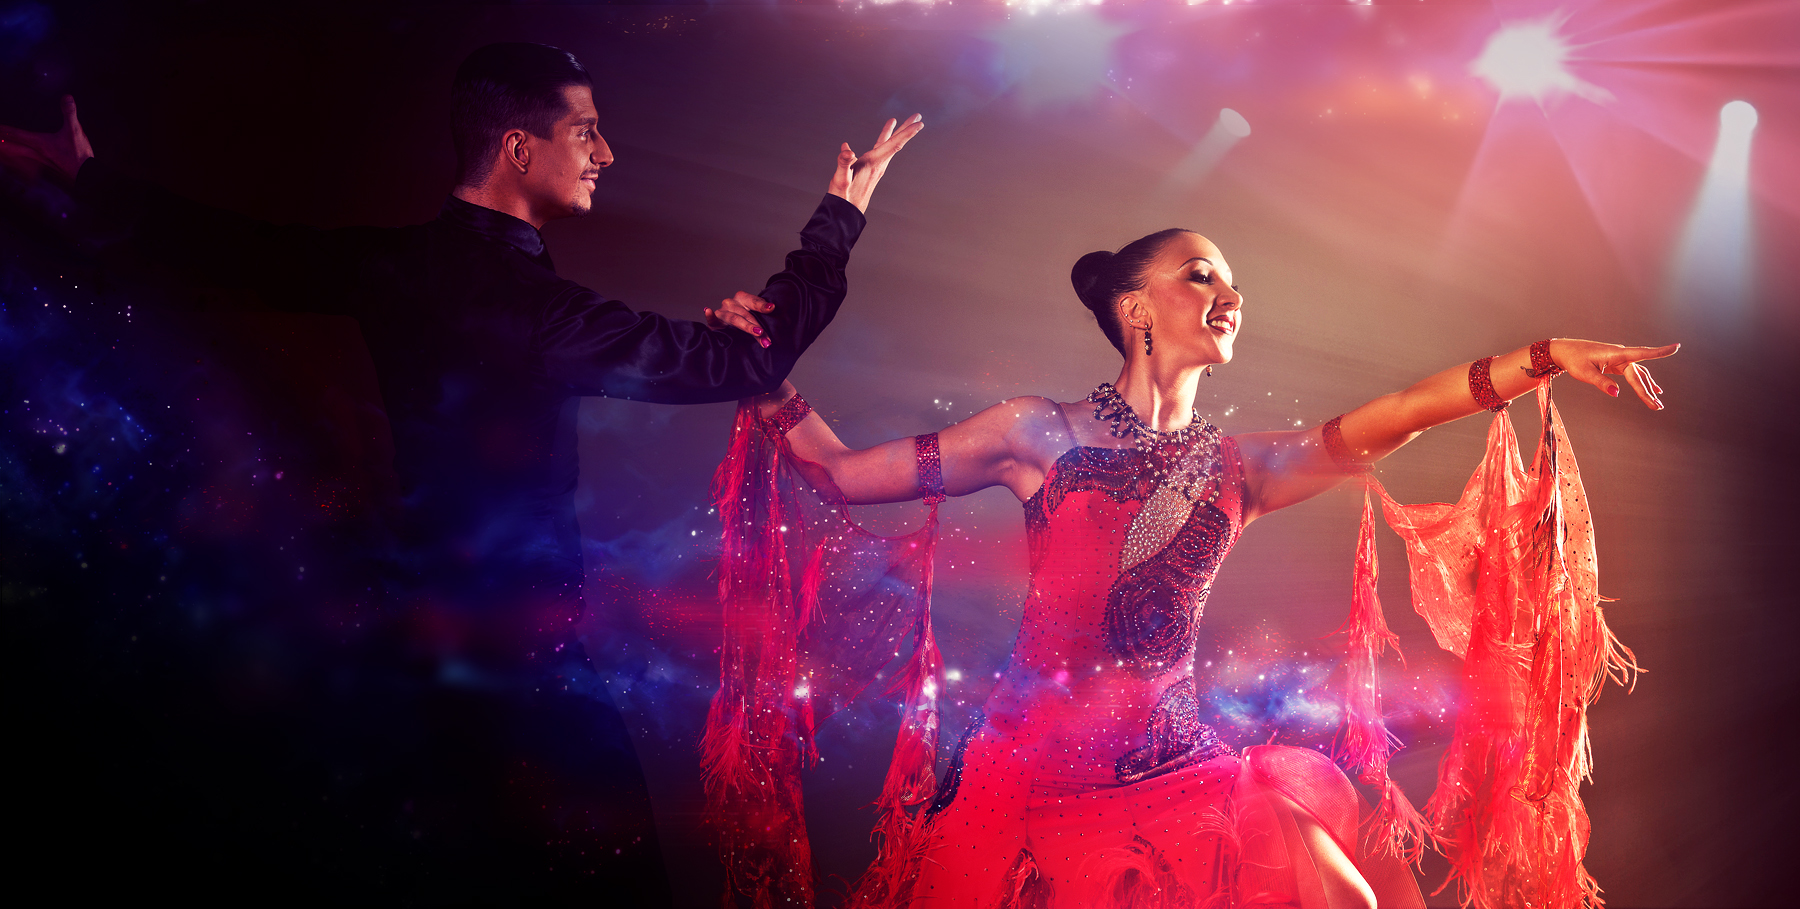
<point>496,225</point>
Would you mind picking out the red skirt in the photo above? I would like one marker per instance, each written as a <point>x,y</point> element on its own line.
<point>1217,834</point>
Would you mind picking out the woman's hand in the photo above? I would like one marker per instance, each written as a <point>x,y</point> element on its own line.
<point>29,154</point>
<point>739,312</point>
<point>1593,361</point>
<point>856,176</point>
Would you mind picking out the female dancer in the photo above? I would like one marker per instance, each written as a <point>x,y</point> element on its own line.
<point>1090,781</point>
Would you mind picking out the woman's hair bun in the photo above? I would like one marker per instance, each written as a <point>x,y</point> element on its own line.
<point>1101,278</point>
<point>1088,276</point>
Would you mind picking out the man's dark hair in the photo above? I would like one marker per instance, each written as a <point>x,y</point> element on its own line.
<point>502,87</point>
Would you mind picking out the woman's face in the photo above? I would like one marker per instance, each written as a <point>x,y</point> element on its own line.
<point>1188,300</point>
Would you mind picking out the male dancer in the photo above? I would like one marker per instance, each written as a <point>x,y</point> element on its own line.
<point>486,774</point>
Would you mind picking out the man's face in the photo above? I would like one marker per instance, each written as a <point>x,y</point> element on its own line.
<point>566,164</point>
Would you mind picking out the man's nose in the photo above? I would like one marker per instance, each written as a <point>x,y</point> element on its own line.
<point>602,155</point>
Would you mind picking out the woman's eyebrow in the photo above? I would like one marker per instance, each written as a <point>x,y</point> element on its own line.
<point>1199,259</point>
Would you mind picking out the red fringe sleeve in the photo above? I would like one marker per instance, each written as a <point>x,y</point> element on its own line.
<point>1507,579</point>
<point>815,609</point>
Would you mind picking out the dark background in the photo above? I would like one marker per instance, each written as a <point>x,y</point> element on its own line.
<point>1387,217</point>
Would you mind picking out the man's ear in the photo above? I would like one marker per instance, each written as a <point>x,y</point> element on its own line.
<point>515,148</point>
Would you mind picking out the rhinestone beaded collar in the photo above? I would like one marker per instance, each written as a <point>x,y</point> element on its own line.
<point>1110,407</point>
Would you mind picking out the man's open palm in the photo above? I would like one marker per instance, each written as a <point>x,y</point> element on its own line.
<point>856,175</point>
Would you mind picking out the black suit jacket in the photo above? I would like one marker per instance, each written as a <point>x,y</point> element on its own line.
<point>481,352</point>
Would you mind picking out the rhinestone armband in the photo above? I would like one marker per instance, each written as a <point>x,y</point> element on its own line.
<point>790,415</point>
<point>1481,385</point>
<point>1340,452</point>
<point>931,469</point>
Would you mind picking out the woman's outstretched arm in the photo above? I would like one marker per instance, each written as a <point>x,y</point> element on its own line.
<point>1284,468</point>
<point>992,448</point>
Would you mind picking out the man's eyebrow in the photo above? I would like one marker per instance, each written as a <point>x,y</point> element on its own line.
<point>587,121</point>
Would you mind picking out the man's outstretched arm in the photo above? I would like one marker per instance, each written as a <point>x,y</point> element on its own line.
<point>599,347</point>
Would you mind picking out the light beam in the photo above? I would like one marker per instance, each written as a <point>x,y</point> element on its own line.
<point>1228,130</point>
<point>1713,265</point>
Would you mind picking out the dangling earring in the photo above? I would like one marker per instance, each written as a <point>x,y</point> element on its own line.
<point>1146,342</point>
<point>1209,372</point>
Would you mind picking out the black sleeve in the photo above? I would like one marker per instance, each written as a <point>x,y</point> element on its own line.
<point>300,268</point>
<point>594,346</point>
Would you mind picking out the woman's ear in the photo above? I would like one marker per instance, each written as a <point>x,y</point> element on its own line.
<point>1133,312</point>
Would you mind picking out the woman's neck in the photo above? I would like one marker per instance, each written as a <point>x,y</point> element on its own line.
<point>1161,394</point>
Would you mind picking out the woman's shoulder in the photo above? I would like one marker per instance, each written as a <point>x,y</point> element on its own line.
<point>1032,414</point>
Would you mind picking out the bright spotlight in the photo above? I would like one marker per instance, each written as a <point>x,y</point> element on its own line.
<point>1206,154</point>
<point>1530,60</point>
<point>1234,123</point>
<point>1713,267</point>
<point>1737,116</point>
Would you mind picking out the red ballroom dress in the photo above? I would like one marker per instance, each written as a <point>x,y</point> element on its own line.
<point>1090,780</point>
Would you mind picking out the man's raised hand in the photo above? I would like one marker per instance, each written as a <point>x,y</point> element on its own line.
<point>29,154</point>
<point>857,175</point>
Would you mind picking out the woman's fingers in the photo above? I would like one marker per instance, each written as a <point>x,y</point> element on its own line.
<point>733,313</point>
<point>1638,375</point>
<point>1635,376</point>
<point>752,302</point>
<point>1586,369</point>
<point>1593,363</point>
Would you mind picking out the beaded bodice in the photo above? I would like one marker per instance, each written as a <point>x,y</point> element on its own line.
<point>1157,592</point>
<point>1121,563</point>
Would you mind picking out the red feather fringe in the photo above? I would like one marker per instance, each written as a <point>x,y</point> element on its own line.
<point>1507,579</point>
<point>781,514</point>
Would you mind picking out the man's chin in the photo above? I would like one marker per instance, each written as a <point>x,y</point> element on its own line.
<point>581,205</point>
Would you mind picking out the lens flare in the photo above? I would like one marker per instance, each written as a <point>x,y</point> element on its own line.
<point>1531,60</point>
<point>1525,60</point>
